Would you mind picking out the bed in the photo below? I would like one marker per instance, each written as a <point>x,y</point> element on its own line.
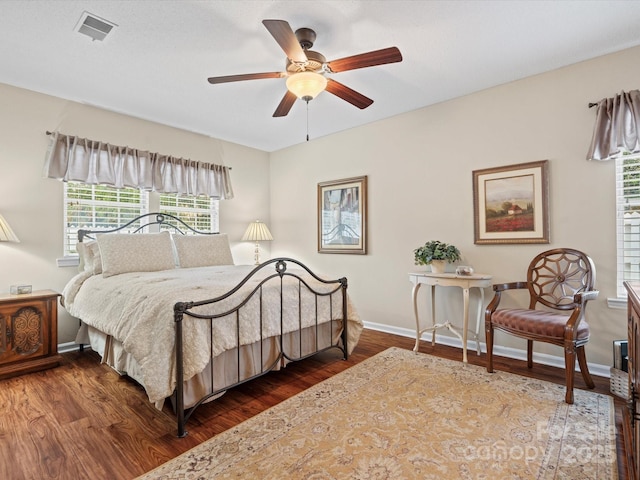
<point>173,312</point>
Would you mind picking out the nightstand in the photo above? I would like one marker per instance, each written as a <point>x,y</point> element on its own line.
<point>28,332</point>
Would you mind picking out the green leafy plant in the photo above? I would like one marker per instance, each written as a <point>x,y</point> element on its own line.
<point>436,250</point>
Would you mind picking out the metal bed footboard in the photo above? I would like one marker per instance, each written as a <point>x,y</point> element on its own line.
<point>184,308</point>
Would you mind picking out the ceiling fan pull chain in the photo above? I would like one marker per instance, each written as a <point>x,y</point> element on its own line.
<point>307,120</point>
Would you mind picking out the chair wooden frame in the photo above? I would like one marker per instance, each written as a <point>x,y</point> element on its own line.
<point>563,280</point>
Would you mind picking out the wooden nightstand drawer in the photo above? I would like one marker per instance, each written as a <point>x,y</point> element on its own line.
<point>28,332</point>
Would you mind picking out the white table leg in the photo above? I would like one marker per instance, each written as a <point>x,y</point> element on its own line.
<point>416,287</point>
<point>465,325</point>
<point>433,315</point>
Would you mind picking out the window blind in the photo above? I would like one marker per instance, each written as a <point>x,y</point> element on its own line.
<point>199,212</point>
<point>99,207</point>
<point>627,220</point>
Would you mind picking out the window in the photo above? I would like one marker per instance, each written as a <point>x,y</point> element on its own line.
<point>628,219</point>
<point>199,212</point>
<point>99,207</point>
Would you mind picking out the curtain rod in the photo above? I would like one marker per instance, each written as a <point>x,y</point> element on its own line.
<point>50,133</point>
<point>591,105</point>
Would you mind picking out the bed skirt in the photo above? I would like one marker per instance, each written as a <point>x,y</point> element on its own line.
<point>226,369</point>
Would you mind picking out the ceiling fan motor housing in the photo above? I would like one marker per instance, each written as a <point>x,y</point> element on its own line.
<point>306,37</point>
<point>315,63</point>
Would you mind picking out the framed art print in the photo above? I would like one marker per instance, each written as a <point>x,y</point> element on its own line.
<point>342,216</point>
<point>511,204</point>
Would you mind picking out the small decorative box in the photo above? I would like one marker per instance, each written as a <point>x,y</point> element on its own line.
<point>20,289</point>
<point>464,270</point>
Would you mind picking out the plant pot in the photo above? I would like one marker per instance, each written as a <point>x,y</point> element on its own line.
<point>438,266</point>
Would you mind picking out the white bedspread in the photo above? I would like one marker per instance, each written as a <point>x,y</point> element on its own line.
<point>137,310</point>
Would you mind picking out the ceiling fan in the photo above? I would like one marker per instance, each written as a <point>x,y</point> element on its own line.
<point>306,69</point>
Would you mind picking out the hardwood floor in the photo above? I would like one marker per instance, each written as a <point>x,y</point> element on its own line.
<point>82,420</point>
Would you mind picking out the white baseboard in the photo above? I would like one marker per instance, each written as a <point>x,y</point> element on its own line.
<point>508,352</point>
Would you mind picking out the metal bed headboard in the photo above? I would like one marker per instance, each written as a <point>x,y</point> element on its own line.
<point>154,219</point>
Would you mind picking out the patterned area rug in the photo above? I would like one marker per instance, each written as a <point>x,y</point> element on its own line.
<point>401,415</point>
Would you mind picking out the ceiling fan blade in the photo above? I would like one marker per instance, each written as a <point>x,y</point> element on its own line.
<point>285,104</point>
<point>246,76</point>
<point>281,31</point>
<point>348,94</point>
<point>369,59</point>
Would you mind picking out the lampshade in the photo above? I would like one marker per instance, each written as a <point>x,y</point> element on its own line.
<point>6,234</point>
<point>306,85</point>
<point>256,232</point>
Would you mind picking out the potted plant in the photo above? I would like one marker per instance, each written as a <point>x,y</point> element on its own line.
<point>437,254</point>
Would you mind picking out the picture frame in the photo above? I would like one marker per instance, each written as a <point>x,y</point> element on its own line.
<point>342,216</point>
<point>511,204</point>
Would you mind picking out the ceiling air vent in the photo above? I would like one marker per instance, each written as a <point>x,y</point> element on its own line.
<point>95,27</point>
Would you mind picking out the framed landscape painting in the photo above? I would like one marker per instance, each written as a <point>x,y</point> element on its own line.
<point>342,216</point>
<point>511,204</point>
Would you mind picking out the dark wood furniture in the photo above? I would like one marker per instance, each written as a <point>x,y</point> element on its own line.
<point>28,332</point>
<point>562,282</point>
<point>630,419</point>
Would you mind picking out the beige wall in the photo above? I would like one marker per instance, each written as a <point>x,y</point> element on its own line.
<point>419,167</point>
<point>33,204</point>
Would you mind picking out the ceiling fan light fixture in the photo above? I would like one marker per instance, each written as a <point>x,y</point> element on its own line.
<point>306,85</point>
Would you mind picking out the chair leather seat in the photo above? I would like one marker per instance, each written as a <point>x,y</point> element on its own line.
<point>536,322</point>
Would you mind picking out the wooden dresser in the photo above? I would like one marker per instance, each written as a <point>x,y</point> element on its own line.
<point>631,414</point>
<point>28,332</point>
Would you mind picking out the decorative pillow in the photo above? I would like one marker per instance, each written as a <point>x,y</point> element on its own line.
<point>97,258</point>
<point>90,260</point>
<point>203,250</point>
<point>81,248</point>
<point>137,252</point>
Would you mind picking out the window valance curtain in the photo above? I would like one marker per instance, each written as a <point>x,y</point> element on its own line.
<point>617,128</point>
<point>71,158</point>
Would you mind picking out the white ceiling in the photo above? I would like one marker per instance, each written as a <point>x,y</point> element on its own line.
<point>155,64</point>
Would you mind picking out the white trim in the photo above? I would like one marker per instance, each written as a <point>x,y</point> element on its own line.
<point>68,261</point>
<point>542,358</point>
<point>617,302</point>
<point>508,352</point>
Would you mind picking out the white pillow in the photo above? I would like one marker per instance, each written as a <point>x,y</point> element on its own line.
<point>81,248</point>
<point>90,260</point>
<point>137,252</point>
<point>203,250</point>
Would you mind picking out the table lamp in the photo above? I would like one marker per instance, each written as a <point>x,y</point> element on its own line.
<point>6,234</point>
<point>257,232</point>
